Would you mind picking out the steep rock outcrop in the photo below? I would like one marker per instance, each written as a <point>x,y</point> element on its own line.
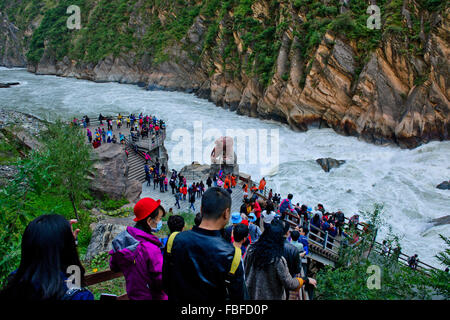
<point>11,50</point>
<point>110,176</point>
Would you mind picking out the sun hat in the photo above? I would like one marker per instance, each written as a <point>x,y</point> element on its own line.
<point>236,218</point>
<point>144,207</point>
<point>251,217</point>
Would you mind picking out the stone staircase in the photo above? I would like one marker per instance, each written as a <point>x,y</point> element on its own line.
<point>136,166</point>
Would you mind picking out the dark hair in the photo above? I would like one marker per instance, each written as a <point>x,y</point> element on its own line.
<point>304,229</point>
<point>214,202</point>
<point>316,219</point>
<point>286,225</point>
<point>175,223</point>
<point>198,219</point>
<point>269,207</point>
<point>295,235</point>
<point>240,231</point>
<point>269,247</point>
<point>48,248</point>
<point>143,225</point>
<point>290,196</point>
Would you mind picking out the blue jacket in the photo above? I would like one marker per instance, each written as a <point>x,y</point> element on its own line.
<point>255,232</point>
<point>285,204</point>
<point>325,226</point>
<point>304,241</point>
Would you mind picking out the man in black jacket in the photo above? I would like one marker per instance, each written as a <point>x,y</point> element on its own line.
<point>198,266</point>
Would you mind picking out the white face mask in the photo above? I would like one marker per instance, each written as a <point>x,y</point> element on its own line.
<point>158,227</point>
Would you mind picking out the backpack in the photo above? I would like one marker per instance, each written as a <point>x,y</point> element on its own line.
<point>284,205</point>
<point>234,263</point>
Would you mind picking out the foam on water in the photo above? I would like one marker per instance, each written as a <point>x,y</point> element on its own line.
<point>404,180</point>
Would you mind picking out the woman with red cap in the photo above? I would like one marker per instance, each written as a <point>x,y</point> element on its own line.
<point>136,252</point>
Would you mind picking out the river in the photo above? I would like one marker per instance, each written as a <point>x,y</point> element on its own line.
<point>403,180</point>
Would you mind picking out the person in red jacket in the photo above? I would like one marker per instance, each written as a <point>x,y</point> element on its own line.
<point>262,184</point>
<point>233,181</point>
<point>256,209</point>
<point>245,188</point>
<point>184,191</point>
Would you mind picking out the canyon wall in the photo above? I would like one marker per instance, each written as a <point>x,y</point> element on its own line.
<point>304,63</point>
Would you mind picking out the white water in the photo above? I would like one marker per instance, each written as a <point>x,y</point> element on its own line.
<point>404,180</point>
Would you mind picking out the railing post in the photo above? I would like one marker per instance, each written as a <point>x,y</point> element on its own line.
<point>325,240</point>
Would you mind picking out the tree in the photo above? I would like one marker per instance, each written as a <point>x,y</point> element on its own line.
<point>69,159</point>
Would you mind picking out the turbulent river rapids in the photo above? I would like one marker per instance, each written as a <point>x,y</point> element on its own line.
<point>403,180</point>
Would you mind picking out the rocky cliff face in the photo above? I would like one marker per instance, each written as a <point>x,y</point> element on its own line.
<point>110,174</point>
<point>304,63</point>
<point>11,49</point>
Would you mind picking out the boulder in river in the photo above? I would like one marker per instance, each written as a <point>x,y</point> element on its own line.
<point>444,185</point>
<point>328,163</point>
<point>8,84</point>
<point>441,221</point>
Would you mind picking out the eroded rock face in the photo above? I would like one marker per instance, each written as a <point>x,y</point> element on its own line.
<point>102,237</point>
<point>11,53</point>
<point>379,100</point>
<point>111,174</point>
<point>329,163</point>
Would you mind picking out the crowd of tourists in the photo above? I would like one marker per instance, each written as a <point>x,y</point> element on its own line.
<point>202,264</point>
<point>157,175</point>
<point>139,126</point>
<point>252,254</point>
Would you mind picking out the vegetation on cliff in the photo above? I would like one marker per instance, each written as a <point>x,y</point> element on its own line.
<point>48,181</point>
<point>302,62</point>
<point>138,28</point>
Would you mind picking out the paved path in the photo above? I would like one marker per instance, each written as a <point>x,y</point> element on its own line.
<point>168,199</point>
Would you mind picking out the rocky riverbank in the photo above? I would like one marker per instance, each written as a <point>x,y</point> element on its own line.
<point>389,94</point>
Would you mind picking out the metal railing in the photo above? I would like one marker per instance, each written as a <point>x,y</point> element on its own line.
<point>137,149</point>
<point>154,141</point>
<point>325,240</point>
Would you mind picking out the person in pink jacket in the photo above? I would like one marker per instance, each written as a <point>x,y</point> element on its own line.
<point>136,252</point>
